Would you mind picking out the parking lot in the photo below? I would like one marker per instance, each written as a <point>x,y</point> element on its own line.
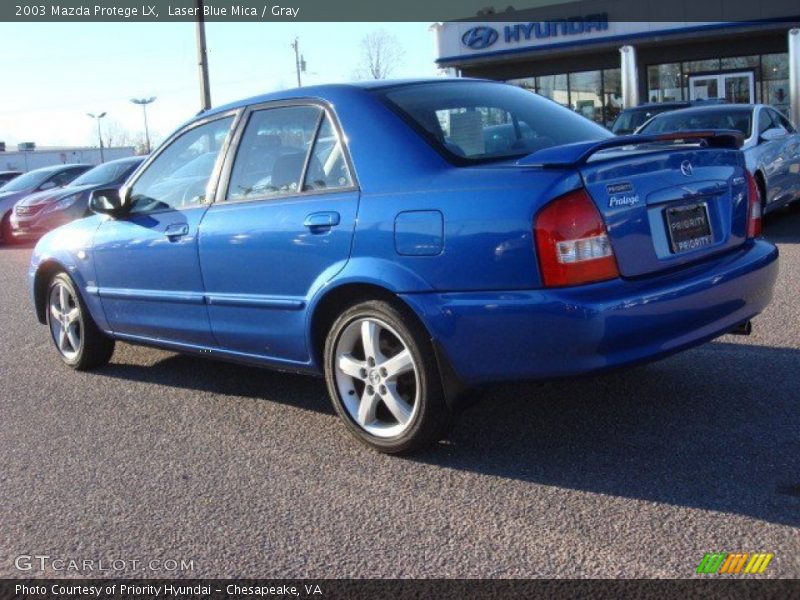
<point>247,472</point>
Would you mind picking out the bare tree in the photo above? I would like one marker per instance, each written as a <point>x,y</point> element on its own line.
<point>381,53</point>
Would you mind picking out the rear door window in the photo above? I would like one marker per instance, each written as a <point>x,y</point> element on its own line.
<point>272,153</point>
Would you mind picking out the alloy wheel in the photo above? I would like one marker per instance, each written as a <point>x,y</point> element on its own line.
<point>65,321</point>
<point>377,377</point>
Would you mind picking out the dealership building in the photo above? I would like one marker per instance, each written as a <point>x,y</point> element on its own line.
<point>600,56</point>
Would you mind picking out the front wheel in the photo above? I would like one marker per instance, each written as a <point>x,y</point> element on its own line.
<point>79,341</point>
<point>383,378</point>
<point>6,237</point>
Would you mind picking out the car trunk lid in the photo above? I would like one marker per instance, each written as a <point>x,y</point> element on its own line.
<point>664,205</point>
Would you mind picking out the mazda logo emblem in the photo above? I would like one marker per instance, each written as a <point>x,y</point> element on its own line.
<point>479,38</point>
<point>686,168</point>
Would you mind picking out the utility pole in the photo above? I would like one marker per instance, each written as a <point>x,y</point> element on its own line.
<point>299,61</point>
<point>143,102</point>
<point>99,133</point>
<point>202,58</point>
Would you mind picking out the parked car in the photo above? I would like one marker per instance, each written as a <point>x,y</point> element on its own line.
<point>630,119</point>
<point>6,176</point>
<point>47,178</point>
<point>38,213</point>
<point>771,146</point>
<point>404,260</point>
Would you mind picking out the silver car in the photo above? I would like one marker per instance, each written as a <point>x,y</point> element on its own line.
<point>771,146</point>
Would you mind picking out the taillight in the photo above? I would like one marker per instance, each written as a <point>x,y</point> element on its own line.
<point>753,207</point>
<point>572,242</point>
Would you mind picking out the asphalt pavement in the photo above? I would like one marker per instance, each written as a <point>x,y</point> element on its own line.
<point>244,472</point>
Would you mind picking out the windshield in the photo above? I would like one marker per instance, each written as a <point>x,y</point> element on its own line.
<point>28,181</point>
<point>693,120</point>
<point>483,121</point>
<point>103,174</point>
<point>197,167</point>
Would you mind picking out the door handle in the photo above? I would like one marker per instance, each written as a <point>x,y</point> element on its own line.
<point>176,230</point>
<point>321,221</point>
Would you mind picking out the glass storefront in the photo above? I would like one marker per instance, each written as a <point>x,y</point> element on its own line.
<point>757,78</point>
<point>597,95</point>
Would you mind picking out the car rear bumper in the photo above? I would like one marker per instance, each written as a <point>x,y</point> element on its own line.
<point>512,335</point>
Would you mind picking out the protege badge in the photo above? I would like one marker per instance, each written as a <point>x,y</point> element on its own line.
<point>621,194</point>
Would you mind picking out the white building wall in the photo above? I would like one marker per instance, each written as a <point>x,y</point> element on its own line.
<point>27,161</point>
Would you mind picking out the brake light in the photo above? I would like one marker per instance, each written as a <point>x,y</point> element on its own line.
<point>572,242</point>
<point>753,207</point>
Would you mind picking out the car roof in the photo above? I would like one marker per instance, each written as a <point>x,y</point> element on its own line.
<point>712,108</point>
<point>648,105</point>
<point>10,172</point>
<point>61,167</point>
<point>126,159</point>
<point>321,91</point>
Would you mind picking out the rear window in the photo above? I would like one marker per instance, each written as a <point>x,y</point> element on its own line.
<point>484,121</point>
<point>694,120</point>
<point>630,120</point>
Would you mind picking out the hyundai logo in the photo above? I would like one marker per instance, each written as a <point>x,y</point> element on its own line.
<point>479,38</point>
<point>686,168</point>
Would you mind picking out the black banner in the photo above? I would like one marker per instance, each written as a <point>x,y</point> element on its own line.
<point>190,589</point>
<point>286,11</point>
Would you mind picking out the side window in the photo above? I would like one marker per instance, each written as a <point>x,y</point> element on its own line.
<point>64,177</point>
<point>178,177</point>
<point>273,151</point>
<point>764,121</point>
<point>327,167</point>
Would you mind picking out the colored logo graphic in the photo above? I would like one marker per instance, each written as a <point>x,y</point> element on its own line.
<point>479,38</point>
<point>724,563</point>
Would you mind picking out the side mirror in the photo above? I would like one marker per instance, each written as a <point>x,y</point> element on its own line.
<point>775,133</point>
<point>47,185</point>
<point>108,202</point>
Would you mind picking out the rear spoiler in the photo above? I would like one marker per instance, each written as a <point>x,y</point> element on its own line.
<point>578,154</point>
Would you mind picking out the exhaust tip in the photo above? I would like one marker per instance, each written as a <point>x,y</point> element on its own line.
<point>745,328</point>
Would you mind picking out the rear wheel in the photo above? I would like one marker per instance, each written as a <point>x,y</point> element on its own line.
<point>383,378</point>
<point>76,336</point>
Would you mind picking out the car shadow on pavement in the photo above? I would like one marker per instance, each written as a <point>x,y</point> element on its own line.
<point>716,428</point>
<point>783,225</point>
<point>228,379</point>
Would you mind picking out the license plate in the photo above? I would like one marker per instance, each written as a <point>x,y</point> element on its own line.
<point>689,227</point>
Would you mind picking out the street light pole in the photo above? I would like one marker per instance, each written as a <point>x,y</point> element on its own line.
<point>143,102</point>
<point>99,133</point>
<point>202,58</point>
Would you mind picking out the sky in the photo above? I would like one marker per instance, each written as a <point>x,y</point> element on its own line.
<point>53,74</point>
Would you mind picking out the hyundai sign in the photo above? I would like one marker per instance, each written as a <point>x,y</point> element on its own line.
<point>484,36</point>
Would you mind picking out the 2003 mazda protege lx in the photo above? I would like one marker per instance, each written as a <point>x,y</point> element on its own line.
<point>410,239</point>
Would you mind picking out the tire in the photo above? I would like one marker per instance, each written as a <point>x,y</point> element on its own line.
<point>762,192</point>
<point>370,388</point>
<point>5,230</point>
<point>77,338</point>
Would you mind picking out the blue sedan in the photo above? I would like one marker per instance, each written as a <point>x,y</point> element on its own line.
<point>408,241</point>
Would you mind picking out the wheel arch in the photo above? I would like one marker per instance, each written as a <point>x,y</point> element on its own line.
<point>330,304</point>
